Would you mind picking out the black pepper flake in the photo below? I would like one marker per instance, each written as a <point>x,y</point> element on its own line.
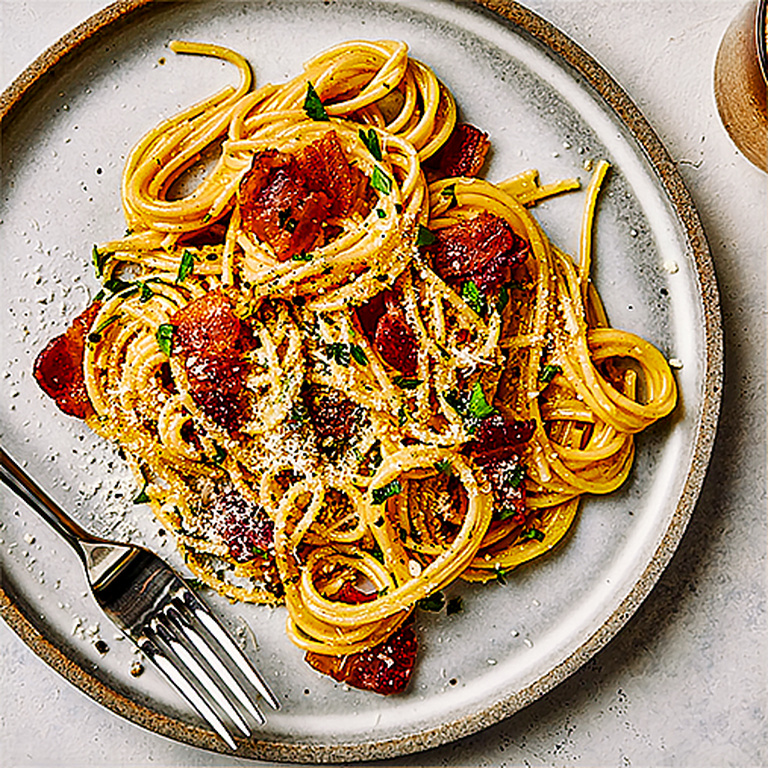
<point>101,647</point>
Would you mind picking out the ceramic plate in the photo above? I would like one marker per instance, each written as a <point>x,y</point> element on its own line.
<point>69,122</point>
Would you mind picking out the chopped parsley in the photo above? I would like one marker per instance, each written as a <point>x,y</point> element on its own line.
<point>405,383</point>
<point>99,260</point>
<point>444,467</point>
<point>164,336</point>
<point>503,299</point>
<point>303,256</point>
<point>392,488</point>
<point>515,476</point>
<point>478,407</point>
<point>358,354</point>
<point>381,213</point>
<point>473,296</point>
<point>219,454</point>
<point>116,285</point>
<point>450,193</point>
<point>146,293</point>
<point>143,497</point>
<point>425,236</point>
<point>533,533</point>
<point>95,335</point>
<point>548,372</point>
<point>186,266</point>
<point>341,353</point>
<point>338,352</point>
<point>381,181</point>
<point>371,140</point>
<point>313,106</point>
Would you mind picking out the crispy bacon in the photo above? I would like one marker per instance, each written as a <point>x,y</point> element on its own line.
<point>333,415</point>
<point>383,321</point>
<point>386,668</point>
<point>463,154</point>
<point>213,341</point>
<point>247,529</point>
<point>497,448</point>
<point>58,368</point>
<point>481,249</point>
<point>285,200</point>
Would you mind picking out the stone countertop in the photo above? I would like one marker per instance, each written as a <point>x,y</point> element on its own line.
<point>684,683</point>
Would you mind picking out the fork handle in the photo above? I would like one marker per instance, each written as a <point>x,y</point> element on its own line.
<point>30,492</point>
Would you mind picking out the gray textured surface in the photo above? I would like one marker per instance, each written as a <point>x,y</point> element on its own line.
<point>684,684</point>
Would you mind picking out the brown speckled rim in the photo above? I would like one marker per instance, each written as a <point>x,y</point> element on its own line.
<point>20,616</point>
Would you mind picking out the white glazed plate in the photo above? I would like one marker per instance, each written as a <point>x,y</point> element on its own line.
<point>67,126</point>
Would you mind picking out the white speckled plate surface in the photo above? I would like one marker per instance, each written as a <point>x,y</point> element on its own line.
<point>68,123</point>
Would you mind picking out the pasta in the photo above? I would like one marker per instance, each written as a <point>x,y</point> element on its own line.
<point>345,369</point>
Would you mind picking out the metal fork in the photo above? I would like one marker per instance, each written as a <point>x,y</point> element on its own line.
<point>153,606</point>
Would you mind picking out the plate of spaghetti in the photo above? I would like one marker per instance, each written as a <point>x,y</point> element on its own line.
<point>402,342</point>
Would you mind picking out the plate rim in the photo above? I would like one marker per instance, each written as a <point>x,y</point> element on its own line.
<point>511,14</point>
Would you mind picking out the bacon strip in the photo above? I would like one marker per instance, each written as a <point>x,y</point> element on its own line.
<point>383,321</point>
<point>286,200</point>
<point>213,341</point>
<point>497,448</point>
<point>386,668</point>
<point>481,249</point>
<point>463,154</point>
<point>58,368</point>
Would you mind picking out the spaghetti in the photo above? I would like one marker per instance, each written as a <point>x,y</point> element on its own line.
<point>346,370</point>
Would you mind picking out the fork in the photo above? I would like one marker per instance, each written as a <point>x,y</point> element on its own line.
<point>155,609</point>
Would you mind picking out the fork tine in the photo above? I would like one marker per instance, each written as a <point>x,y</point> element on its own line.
<point>234,653</point>
<point>205,650</point>
<point>187,662</point>
<point>187,691</point>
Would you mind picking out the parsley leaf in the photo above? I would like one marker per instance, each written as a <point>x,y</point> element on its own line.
<point>142,498</point>
<point>219,454</point>
<point>444,467</point>
<point>95,335</point>
<point>392,488</point>
<point>358,354</point>
<point>186,266</point>
<point>533,533</point>
<point>515,476</point>
<point>472,295</point>
<point>548,372</point>
<point>371,141</point>
<point>164,336</point>
<point>405,383</point>
<point>99,260</point>
<point>338,352</point>
<point>116,285</point>
<point>478,407</point>
<point>146,293</point>
<point>381,181</point>
<point>503,299</point>
<point>450,193</point>
<point>313,106</point>
<point>425,236</point>
<point>303,256</point>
